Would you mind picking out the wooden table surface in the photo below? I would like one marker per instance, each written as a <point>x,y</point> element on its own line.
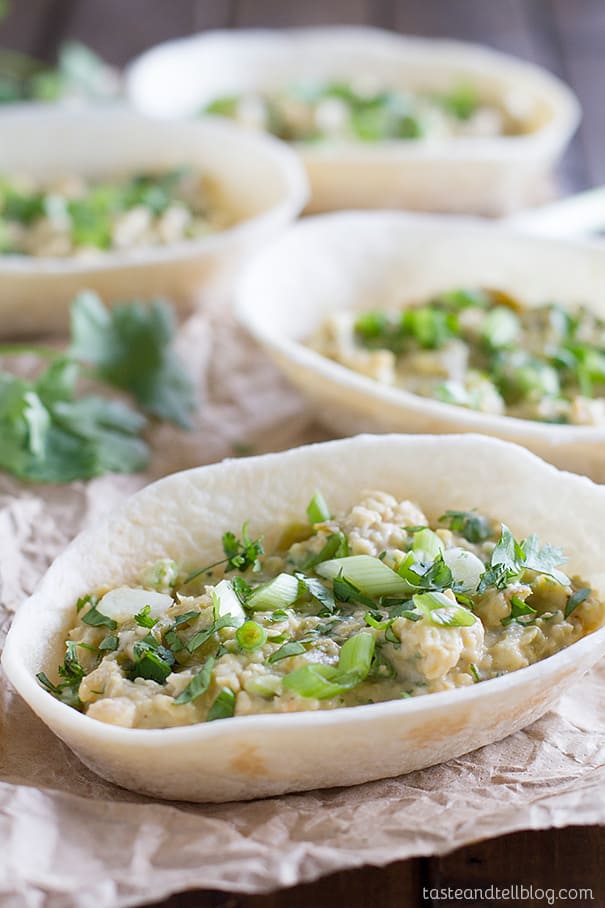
<point>566,36</point>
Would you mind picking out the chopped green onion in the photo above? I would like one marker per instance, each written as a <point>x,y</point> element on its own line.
<point>500,327</point>
<point>324,681</point>
<point>370,575</point>
<point>441,611</point>
<point>427,546</point>
<point>267,686</point>
<point>282,591</point>
<point>109,644</point>
<point>475,672</point>
<point>336,546</point>
<point>317,509</point>
<point>250,635</point>
<point>318,681</point>
<point>223,707</point>
<point>357,653</point>
<point>376,623</point>
<point>228,600</point>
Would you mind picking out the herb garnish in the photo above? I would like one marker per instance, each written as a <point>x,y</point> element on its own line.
<point>240,554</point>
<point>48,434</point>
<point>472,526</point>
<point>576,599</point>
<point>198,685</point>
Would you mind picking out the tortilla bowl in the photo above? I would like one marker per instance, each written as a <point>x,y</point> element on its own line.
<point>184,515</point>
<point>357,261</point>
<point>257,177</point>
<point>480,175</point>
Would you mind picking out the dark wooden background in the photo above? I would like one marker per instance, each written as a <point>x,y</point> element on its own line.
<point>566,36</point>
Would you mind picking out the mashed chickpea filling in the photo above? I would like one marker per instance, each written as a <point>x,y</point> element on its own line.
<point>370,605</point>
<point>74,216</point>
<point>480,349</point>
<point>363,110</point>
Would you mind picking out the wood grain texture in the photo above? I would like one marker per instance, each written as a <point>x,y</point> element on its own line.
<point>398,885</point>
<point>280,14</point>
<point>580,25</point>
<point>31,26</point>
<point>120,30</point>
<point>552,859</point>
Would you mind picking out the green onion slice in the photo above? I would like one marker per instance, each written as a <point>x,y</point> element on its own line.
<point>317,509</point>
<point>441,611</point>
<point>280,592</point>
<point>370,575</point>
<point>250,636</point>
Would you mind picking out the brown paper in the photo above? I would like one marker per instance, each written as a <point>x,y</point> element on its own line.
<point>70,839</point>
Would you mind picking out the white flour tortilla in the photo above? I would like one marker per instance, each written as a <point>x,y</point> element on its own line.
<point>490,175</point>
<point>184,515</point>
<point>260,179</point>
<point>372,260</point>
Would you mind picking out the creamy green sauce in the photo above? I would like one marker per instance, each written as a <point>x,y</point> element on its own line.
<point>72,215</point>
<point>363,111</point>
<point>483,350</point>
<point>367,606</point>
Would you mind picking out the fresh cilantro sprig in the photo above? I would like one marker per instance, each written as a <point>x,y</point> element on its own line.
<point>130,347</point>
<point>510,559</point>
<point>240,554</point>
<point>50,434</point>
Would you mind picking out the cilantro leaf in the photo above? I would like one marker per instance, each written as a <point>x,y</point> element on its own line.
<point>242,554</point>
<point>223,707</point>
<point>544,560</point>
<point>520,612</point>
<point>472,526</point>
<point>292,648</point>
<point>318,591</point>
<point>130,347</point>
<point>153,661</point>
<point>198,685</point>
<point>47,436</point>
<point>144,619</point>
<point>95,618</point>
<point>576,599</point>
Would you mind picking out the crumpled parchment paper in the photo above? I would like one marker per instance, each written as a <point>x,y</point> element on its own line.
<point>70,839</point>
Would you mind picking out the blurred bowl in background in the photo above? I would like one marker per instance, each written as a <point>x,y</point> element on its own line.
<point>258,178</point>
<point>483,175</point>
<point>377,260</point>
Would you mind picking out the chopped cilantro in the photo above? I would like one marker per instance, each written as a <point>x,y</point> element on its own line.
<point>198,685</point>
<point>223,707</point>
<point>144,619</point>
<point>95,618</point>
<point>293,648</point>
<point>576,599</point>
<point>472,526</point>
<point>520,612</point>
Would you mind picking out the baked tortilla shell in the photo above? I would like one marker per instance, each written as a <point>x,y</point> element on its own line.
<point>256,177</point>
<point>464,175</point>
<point>184,515</point>
<point>361,261</point>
